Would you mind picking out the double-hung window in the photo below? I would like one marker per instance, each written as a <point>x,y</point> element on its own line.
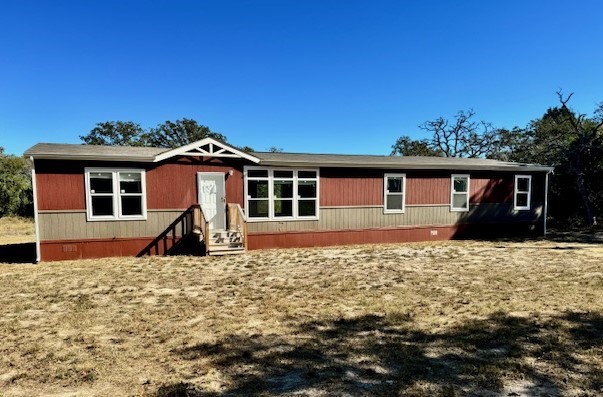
<point>115,194</point>
<point>394,186</point>
<point>523,192</point>
<point>307,194</point>
<point>459,192</point>
<point>282,187</point>
<point>257,193</point>
<point>281,194</point>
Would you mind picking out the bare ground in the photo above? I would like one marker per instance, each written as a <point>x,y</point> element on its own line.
<point>449,319</point>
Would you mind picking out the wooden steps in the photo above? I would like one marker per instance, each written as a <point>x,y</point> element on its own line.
<point>225,242</point>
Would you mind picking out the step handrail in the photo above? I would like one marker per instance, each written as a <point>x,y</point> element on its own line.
<point>237,221</point>
<point>192,220</point>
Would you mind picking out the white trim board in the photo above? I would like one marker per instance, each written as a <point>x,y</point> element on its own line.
<point>206,147</point>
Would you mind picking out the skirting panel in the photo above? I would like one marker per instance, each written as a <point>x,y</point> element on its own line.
<point>387,235</point>
<point>100,248</point>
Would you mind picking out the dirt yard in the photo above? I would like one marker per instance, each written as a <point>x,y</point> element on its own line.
<point>445,319</point>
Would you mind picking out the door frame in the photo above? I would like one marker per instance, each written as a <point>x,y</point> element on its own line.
<point>223,208</point>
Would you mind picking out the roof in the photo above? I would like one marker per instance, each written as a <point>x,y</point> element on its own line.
<point>203,147</point>
<point>402,162</point>
<point>150,155</point>
<point>60,151</point>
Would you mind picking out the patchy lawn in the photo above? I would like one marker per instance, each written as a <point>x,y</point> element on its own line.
<point>448,319</point>
<point>16,230</point>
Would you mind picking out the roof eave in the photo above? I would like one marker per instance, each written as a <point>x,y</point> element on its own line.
<point>130,159</point>
<point>453,167</point>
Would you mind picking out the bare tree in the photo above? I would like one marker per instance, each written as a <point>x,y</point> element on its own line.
<point>463,136</point>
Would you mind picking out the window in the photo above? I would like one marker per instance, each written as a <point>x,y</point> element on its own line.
<point>523,192</point>
<point>281,194</point>
<point>394,186</point>
<point>459,197</point>
<point>115,194</point>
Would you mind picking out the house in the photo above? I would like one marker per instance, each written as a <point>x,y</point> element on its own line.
<point>97,201</point>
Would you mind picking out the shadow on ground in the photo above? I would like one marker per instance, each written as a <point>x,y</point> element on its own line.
<point>384,356</point>
<point>18,253</point>
<point>586,237</point>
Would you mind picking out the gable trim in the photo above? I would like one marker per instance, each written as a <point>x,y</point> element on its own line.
<point>207,147</point>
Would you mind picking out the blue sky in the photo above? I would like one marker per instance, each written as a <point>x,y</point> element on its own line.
<point>306,76</point>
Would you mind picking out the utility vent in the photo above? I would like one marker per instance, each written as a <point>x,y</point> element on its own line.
<point>69,248</point>
<point>434,232</point>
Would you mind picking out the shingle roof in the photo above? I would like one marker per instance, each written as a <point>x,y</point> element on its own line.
<point>149,154</point>
<point>62,151</point>
<point>401,162</point>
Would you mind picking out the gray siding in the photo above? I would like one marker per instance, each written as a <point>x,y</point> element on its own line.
<point>72,225</point>
<point>342,218</point>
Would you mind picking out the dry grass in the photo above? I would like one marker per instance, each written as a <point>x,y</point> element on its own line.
<point>15,230</point>
<point>449,319</point>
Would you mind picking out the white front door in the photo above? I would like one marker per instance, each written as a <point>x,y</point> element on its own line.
<point>212,198</point>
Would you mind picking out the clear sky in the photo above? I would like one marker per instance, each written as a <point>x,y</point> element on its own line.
<point>306,76</point>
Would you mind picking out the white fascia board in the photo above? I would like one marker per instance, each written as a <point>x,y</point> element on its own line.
<point>184,149</point>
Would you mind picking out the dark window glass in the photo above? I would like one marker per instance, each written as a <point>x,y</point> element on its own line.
<point>394,185</point>
<point>395,202</point>
<point>102,206</point>
<point>306,208</point>
<point>459,201</point>
<point>130,182</point>
<point>460,185</point>
<point>257,173</point>
<point>258,208</point>
<point>283,174</point>
<point>523,184</point>
<point>257,189</point>
<point>522,199</point>
<point>101,182</point>
<point>283,189</point>
<point>131,205</point>
<point>283,207</point>
<point>306,189</point>
<point>306,174</point>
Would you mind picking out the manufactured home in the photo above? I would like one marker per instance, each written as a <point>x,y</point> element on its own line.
<point>209,197</point>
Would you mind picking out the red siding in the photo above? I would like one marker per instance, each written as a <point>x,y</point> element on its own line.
<point>344,237</point>
<point>174,185</point>
<point>60,184</point>
<point>349,187</point>
<point>386,235</point>
<point>427,190</point>
<point>487,189</point>
<point>101,248</point>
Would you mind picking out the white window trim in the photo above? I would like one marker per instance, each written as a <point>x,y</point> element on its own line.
<point>116,195</point>
<point>452,192</point>
<point>386,193</point>
<point>529,192</point>
<point>271,197</point>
